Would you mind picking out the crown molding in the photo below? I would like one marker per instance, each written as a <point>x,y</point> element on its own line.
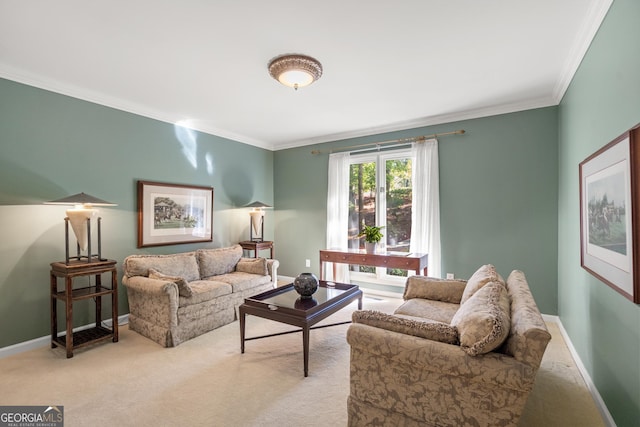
<point>99,98</point>
<point>584,37</point>
<point>425,121</point>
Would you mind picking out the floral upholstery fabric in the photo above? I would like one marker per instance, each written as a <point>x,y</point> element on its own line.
<point>416,326</point>
<point>485,274</point>
<point>184,290</point>
<point>529,336</point>
<point>240,281</point>
<point>159,311</point>
<point>435,289</point>
<point>435,310</point>
<point>218,261</point>
<point>484,320</point>
<point>205,290</point>
<point>176,265</point>
<point>401,379</point>
<point>253,266</point>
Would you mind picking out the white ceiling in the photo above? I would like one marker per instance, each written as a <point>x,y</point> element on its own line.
<point>387,65</point>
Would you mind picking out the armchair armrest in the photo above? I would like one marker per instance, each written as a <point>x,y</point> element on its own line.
<point>404,377</point>
<point>447,290</point>
<point>444,360</point>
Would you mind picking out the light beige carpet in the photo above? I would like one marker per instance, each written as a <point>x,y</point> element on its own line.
<point>207,382</point>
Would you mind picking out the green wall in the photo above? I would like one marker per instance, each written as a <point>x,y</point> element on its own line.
<point>602,102</point>
<point>498,196</point>
<point>53,146</point>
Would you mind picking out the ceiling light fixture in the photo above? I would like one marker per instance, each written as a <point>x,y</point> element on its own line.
<point>295,70</point>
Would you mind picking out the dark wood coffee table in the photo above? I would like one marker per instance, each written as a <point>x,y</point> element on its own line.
<point>284,305</point>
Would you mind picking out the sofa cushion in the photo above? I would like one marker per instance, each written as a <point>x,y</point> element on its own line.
<point>485,274</point>
<point>253,266</point>
<point>205,290</point>
<point>483,321</point>
<point>218,261</point>
<point>419,327</point>
<point>184,290</point>
<point>447,290</point>
<point>242,281</point>
<point>176,265</point>
<point>435,310</point>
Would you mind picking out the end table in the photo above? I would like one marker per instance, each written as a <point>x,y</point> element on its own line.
<point>256,247</point>
<point>69,295</point>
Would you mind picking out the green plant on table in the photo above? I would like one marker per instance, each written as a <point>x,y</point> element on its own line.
<point>371,233</point>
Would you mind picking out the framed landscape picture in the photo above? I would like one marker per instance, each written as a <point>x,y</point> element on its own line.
<point>170,214</point>
<point>609,212</point>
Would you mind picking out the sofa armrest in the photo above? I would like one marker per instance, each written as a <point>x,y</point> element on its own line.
<point>412,353</point>
<point>153,300</point>
<point>272,268</point>
<point>447,290</point>
<point>149,286</point>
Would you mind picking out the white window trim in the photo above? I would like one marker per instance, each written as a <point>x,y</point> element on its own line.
<point>381,276</point>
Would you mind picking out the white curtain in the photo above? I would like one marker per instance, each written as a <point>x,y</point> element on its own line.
<point>425,207</point>
<point>338,213</point>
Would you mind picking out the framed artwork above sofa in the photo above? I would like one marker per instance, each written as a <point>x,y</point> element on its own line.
<point>170,214</point>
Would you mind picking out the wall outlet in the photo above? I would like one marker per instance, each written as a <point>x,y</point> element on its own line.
<point>450,276</point>
<point>307,263</point>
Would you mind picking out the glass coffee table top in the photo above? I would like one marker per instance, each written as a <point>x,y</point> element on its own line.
<point>287,297</point>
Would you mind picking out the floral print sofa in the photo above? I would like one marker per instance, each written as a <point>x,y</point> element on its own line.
<point>173,298</point>
<point>454,353</point>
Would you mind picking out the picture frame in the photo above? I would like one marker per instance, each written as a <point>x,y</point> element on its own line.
<point>170,214</point>
<point>609,214</point>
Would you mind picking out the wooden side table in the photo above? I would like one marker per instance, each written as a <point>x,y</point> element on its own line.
<point>256,247</point>
<point>69,295</point>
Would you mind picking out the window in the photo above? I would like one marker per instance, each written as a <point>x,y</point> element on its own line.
<point>380,194</point>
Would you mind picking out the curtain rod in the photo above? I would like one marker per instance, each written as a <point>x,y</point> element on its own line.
<point>394,142</point>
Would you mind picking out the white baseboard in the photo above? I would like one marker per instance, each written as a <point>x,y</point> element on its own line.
<point>46,340</point>
<point>602,407</point>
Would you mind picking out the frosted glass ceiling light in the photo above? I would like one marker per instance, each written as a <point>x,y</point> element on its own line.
<point>80,219</point>
<point>295,70</point>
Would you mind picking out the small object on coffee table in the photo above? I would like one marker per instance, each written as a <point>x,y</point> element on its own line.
<point>306,284</point>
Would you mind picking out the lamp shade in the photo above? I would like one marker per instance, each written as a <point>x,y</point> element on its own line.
<point>258,205</point>
<point>80,199</point>
<point>81,212</point>
<point>257,217</point>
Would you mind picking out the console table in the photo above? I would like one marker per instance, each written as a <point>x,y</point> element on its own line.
<point>407,261</point>
<point>69,295</point>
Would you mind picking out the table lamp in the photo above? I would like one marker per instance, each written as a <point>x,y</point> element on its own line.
<point>257,221</point>
<point>80,219</point>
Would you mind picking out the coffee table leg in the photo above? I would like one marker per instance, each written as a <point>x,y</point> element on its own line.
<point>305,349</point>
<point>242,315</point>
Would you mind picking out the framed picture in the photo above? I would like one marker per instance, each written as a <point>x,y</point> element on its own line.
<point>170,214</point>
<point>609,214</point>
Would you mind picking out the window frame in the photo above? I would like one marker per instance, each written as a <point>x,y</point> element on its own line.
<point>380,157</point>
